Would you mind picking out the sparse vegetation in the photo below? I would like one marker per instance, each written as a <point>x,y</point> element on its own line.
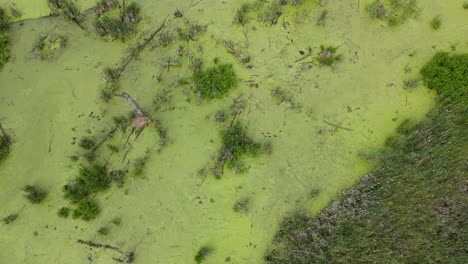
<point>436,22</point>
<point>10,218</point>
<point>190,31</point>
<point>395,12</point>
<point>242,206</point>
<point>327,55</point>
<point>67,9</point>
<point>119,27</point>
<point>48,45</point>
<point>235,144</point>
<point>4,147</point>
<point>63,212</point>
<point>4,51</point>
<point>214,82</point>
<point>86,210</point>
<point>202,253</point>
<point>412,208</point>
<point>34,194</point>
<point>87,142</point>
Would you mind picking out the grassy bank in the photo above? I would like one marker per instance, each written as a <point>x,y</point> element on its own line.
<point>413,207</point>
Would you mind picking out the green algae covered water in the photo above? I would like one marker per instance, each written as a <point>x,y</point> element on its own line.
<point>335,116</point>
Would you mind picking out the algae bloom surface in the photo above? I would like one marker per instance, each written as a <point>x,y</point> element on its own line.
<point>308,125</point>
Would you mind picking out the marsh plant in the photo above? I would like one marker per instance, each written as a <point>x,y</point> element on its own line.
<point>202,253</point>
<point>119,26</point>
<point>394,12</point>
<point>235,145</point>
<point>63,212</point>
<point>327,55</point>
<point>4,146</point>
<point>48,45</point>
<point>87,142</point>
<point>105,5</point>
<point>215,81</point>
<point>436,22</point>
<point>10,218</point>
<point>4,51</point>
<point>190,31</point>
<point>242,206</point>
<point>90,180</point>
<point>67,9</point>
<point>34,194</point>
<point>86,209</point>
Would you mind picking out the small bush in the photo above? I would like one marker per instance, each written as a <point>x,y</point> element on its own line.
<point>34,194</point>
<point>395,12</point>
<point>242,206</point>
<point>4,52</point>
<point>87,142</point>
<point>327,55</point>
<point>4,147</point>
<point>10,218</point>
<point>215,81</point>
<point>447,74</point>
<point>91,179</point>
<point>86,210</point>
<point>202,253</point>
<point>436,22</point>
<point>237,143</point>
<point>47,46</point>
<point>63,212</point>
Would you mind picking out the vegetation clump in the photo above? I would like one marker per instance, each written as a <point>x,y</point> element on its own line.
<point>119,27</point>
<point>87,142</point>
<point>34,194</point>
<point>4,51</point>
<point>10,218</point>
<point>327,55</point>
<point>395,12</point>
<point>67,9</point>
<point>436,22</point>
<point>242,206</point>
<point>90,180</point>
<point>214,82</point>
<point>86,209</point>
<point>104,6</point>
<point>235,144</point>
<point>47,46</point>
<point>202,253</point>
<point>63,212</point>
<point>4,146</point>
<point>415,200</point>
<point>191,31</point>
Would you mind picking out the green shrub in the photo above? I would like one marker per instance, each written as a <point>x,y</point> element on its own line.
<point>214,82</point>
<point>4,52</point>
<point>395,12</point>
<point>4,147</point>
<point>327,55</point>
<point>63,212</point>
<point>447,74</point>
<point>202,253</point>
<point>237,143</point>
<point>87,142</point>
<point>91,179</point>
<point>436,22</point>
<point>4,19</point>
<point>86,210</point>
<point>242,206</point>
<point>34,194</point>
<point>114,27</point>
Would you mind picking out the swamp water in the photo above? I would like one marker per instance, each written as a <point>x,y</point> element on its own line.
<point>338,115</point>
